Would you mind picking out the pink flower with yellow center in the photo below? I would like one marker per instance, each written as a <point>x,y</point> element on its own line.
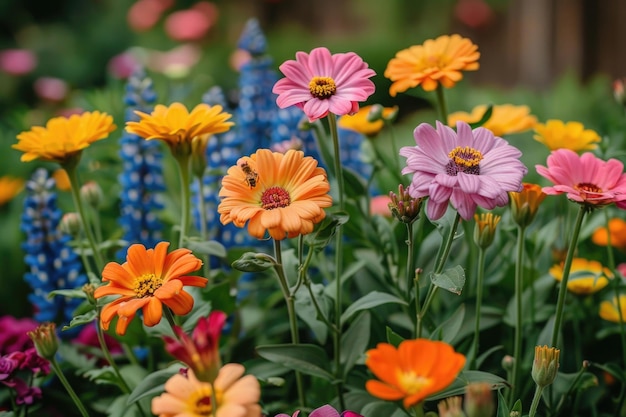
<point>320,83</point>
<point>467,168</point>
<point>586,179</point>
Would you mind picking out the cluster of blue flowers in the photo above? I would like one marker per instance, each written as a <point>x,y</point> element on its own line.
<point>53,264</point>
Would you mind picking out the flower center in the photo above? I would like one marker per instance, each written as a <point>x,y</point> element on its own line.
<point>275,197</point>
<point>465,160</point>
<point>199,402</point>
<point>588,190</point>
<point>146,284</point>
<point>322,87</point>
<point>411,383</point>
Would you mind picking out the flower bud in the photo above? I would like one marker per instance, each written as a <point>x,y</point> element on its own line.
<point>479,400</point>
<point>450,407</point>
<point>70,224</point>
<point>198,155</point>
<point>91,193</point>
<point>375,113</point>
<point>618,91</point>
<point>404,207</point>
<point>508,362</point>
<point>89,290</point>
<point>545,365</point>
<point>45,339</point>
<point>524,204</point>
<point>485,229</point>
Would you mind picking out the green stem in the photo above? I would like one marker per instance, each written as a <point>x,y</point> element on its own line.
<point>517,344</point>
<point>170,319</point>
<point>418,410</point>
<point>566,269</point>
<point>479,299</point>
<point>70,168</point>
<point>410,262</point>
<point>441,262</point>
<point>332,122</point>
<point>441,100</point>
<point>214,404</point>
<point>204,235</point>
<point>535,403</point>
<point>291,313</point>
<point>109,358</point>
<point>183,165</point>
<point>68,387</point>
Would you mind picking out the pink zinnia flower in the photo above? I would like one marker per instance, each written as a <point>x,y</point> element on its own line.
<point>324,411</point>
<point>586,179</point>
<point>320,83</point>
<point>468,168</point>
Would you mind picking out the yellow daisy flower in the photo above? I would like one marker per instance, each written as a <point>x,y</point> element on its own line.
<point>609,309</point>
<point>586,276</point>
<point>556,134</point>
<point>360,121</point>
<point>505,119</point>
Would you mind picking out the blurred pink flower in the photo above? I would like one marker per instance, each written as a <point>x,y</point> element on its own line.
<point>586,179</point>
<point>175,63</point>
<point>122,66</point>
<point>320,83</point>
<point>467,168</point>
<point>191,24</point>
<point>17,61</point>
<point>88,336</point>
<point>621,268</point>
<point>50,88</point>
<point>144,14</point>
<point>380,205</point>
<point>474,13</point>
<point>13,337</point>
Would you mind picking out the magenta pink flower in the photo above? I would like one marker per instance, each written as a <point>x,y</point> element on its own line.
<point>320,83</point>
<point>586,179</point>
<point>467,168</point>
<point>324,411</point>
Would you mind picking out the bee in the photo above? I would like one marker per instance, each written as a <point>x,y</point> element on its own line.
<point>251,175</point>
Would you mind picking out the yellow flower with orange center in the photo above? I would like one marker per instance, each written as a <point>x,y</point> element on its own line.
<point>148,279</point>
<point>505,119</point>
<point>178,127</point>
<point>283,194</point>
<point>64,137</point>
<point>556,134</point>
<point>361,121</point>
<point>610,310</point>
<point>412,371</point>
<point>586,276</point>
<point>9,188</point>
<point>524,205</point>
<point>185,396</point>
<point>436,61</point>
<point>617,233</point>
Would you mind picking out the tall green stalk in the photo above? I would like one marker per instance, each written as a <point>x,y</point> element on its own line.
<point>479,299</point>
<point>441,100</point>
<point>204,235</point>
<point>68,387</point>
<point>566,269</point>
<point>184,162</point>
<point>517,344</point>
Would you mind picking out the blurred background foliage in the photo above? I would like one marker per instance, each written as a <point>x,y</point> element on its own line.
<point>559,57</point>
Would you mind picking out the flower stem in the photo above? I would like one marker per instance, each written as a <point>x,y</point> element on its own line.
<point>291,312</point>
<point>332,122</point>
<point>566,269</point>
<point>479,299</point>
<point>70,168</point>
<point>535,403</point>
<point>441,100</point>
<point>183,165</point>
<point>441,262</point>
<point>68,387</point>
<point>410,262</point>
<point>204,235</point>
<point>517,344</point>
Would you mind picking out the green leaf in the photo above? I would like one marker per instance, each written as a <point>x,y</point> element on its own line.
<point>393,337</point>
<point>253,262</point>
<point>306,358</point>
<point>354,341</point>
<point>371,300</point>
<point>485,117</point>
<point>208,247</point>
<point>305,309</point>
<point>221,297</point>
<point>503,408</point>
<point>325,230</point>
<point>73,293</point>
<point>153,383</point>
<point>464,379</point>
<point>354,185</point>
<point>449,329</point>
<point>104,375</point>
<point>82,319</point>
<point>383,408</point>
<point>452,279</point>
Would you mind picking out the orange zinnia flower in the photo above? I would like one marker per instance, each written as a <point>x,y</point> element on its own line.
<point>63,137</point>
<point>505,119</point>
<point>148,279</point>
<point>436,61</point>
<point>178,127</point>
<point>9,188</point>
<point>284,194</point>
<point>413,371</point>
<point>617,230</point>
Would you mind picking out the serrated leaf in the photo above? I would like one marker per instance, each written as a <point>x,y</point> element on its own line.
<point>253,262</point>
<point>452,279</point>
<point>306,358</point>
<point>371,300</point>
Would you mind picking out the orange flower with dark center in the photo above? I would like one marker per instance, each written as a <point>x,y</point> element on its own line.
<point>283,194</point>
<point>412,371</point>
<point>436,61</point>
<point>148,279</point>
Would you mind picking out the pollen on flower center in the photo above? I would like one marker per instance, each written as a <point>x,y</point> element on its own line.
<point>275,197</point>
<point>588,190</point>
<point>322,87</point>
<point>412,383</point>
<point>203,406</point>
<point>465,160</point>
<point>146,284</point>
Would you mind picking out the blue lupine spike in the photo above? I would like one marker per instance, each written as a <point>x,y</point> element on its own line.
<point>52,263</point>
<point>252,38</point>
<point>142,176</point>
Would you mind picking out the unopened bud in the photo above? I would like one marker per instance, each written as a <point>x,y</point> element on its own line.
<point>450,407</point>
<point>485,229</point>
<point>479,400</point>
<point>508,362</point>
<point>70,224</point>
<point>45,339</point>
<point>89,290</point>
<point>91,193</point>
<point>545,365</point>
<point>404,207</point>
<point>375,113</point>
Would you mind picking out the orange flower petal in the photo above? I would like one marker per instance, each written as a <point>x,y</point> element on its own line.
<point>181,303</point>
<point>152,312</point>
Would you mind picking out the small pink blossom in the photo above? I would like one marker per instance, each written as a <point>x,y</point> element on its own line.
<point>586,179</point>
<point>187,25</point>
<point>144,14</point>
<point>467,168</point>
<point>324,411</point>
<point>320,83</point>
<point>380,205</point>
<point>13,337</point>
<point>51,89</point>
<point>123,65</point>
<point>17,61</point>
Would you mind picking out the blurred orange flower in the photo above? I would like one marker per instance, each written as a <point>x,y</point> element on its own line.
<point>609,309</point>
<point>148,279</point>
<point>62,180</point>
<point>436,61</point>
<point>586,276</point>
<point>556,134</point>
<point>9,188</point>
<point>505,119</point>
<point>283,194</point>
<point>617,230</point>
<point>413,371</point>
